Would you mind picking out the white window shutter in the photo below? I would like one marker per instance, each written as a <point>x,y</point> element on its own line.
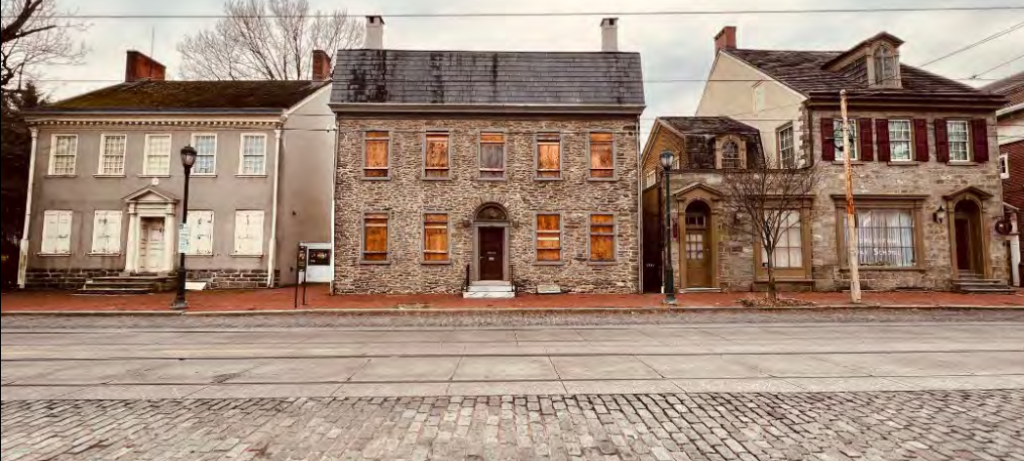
<point>201,233</point>
<point>57,233</point>
<point>106,233</point>
<point>64,234</point>
<point>249,233</point>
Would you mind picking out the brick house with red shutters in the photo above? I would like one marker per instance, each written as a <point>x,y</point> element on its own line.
<point>925,153</point>
<point>1011,155</point>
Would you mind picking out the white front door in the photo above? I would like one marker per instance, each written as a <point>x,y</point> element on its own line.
<point>318,267</point>
<point>151,246</point>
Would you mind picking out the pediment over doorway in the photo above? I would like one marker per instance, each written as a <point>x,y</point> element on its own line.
<point>969,192</point>
<point>151,194</point>
<point>699,191</point>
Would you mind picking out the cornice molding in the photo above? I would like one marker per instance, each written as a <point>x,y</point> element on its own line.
<point>206,123</point>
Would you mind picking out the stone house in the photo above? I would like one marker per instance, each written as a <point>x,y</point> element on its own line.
<point>107,183</point>
<point>487,172</point>
<point>926,177</point>
<point>1011,156</point>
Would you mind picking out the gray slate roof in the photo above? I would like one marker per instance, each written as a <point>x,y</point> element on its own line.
<point>464,78</point>
<point>708,125</point>
<point>1012,87</point>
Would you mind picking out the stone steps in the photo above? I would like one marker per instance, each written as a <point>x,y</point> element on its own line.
<point>490,290</point>
<point>977,285</point>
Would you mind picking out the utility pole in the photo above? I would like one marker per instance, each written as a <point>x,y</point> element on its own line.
<point>851,208</point>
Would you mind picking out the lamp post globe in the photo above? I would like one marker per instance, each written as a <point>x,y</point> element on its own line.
<point>667,159</point>
<point>188,160</point>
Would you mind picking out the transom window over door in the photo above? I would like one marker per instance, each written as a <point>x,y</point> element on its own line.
<point>436,243</point>
<point>492,156</point>
<point>158,155</point>
<point>206,154</point>
<point>549,156</point>
<point>254,155</point>
<point>377,146</point>
<point>437,156</point>
<point>113,155</point>
<point>549,238</point>
<point>854,141</point>
<point>901,140</point>
<point>602,156</point>
<point>886,238</point>
<point>959,141</point>
<point>63,155</point>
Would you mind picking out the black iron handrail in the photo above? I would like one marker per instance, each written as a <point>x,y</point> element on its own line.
<point>465,282</point>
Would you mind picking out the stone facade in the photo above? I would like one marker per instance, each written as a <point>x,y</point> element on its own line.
<point>233,279</point>
<point>64,279</point>
<point>406,197</point>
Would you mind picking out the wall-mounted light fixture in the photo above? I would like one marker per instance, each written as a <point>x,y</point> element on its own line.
<point>940,216</point>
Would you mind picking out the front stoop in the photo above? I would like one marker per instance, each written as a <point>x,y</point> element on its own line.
<point>129,285</point>
<point>490,290</point>
<point>972,285</point>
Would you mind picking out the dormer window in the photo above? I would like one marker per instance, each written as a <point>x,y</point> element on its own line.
<point>886,68</point>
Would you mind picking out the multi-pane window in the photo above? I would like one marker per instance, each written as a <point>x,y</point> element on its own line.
<point>886,67</point>
<point>549,238</point>
<point>106,233</point>
<point>959,141</point>
<point>63,155</point>
<point>695,225</point>
<point>789,251</point>
<point>254,155</point>
<point>886,238</point>
<point>375,237</point>
<point>602,156</point>
<point>549,156</point>
<point>249,233</point>
<point>787,148</point>
<point>57,233</point>
<point>158,155</point>
<point>854,139</point>
<point>437,156</point>
<point>731,159</point>
<point>602,238</point>
<point>377,146</point>
<point>436,246</point>
<point>200,238</point>
<point>1004,166</point>
<point>206,154</point>
<point>492,156</point>
<point>112,155</point>
<point>901,140</point>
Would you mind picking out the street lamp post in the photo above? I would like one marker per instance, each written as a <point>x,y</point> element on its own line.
<point>667,158</point>
<point>188,159</point>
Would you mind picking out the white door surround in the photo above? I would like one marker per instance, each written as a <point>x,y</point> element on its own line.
<point>146,208</point>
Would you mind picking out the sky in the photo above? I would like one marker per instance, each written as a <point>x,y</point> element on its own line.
<point>673,47</point>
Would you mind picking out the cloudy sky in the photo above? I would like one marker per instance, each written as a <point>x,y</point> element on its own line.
<point>673,47</point>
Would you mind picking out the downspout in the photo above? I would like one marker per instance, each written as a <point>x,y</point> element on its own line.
<point>640,209</point>
<point>23,249</point>
<point>334,199</point>
<point>272,259</point>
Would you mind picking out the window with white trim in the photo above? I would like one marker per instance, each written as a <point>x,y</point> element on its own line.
<point>1004,166</point>
<point>57,233</point>
<point>158,155</point>
<point>901,140</point>
<point>789,250</point>
<point>254,155</point>
<point>200,237</point>
<point>249,233</point>
<point>959,141</point>
<point>63,155</point>
<point>854,141</point>
<point>112,154</point>
<point>787,147</point>
<point>106,233</point>
<point>206,154</point>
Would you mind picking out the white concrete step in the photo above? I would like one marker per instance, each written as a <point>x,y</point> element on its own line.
<point>490,288</point>
<point>488,295</point>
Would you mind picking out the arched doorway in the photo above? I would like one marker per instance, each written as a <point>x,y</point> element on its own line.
<point>491,248</point>
<point>969,239</point>
<point>697,247</point>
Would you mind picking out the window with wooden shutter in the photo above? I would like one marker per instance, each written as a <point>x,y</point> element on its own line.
<point>602,156</point>
<point>200,241</point>
<point>828,140</point>
<point>437,158</point>
<point>57,233</point>
<point>158,155</point>
<point>376,163</point>
<point>602,238</point>
<point>867,139</point>
<point>63,155</point>
<point>249,233</point>
<point>112,155</point>
<point>549,156</point>
<point>549,238</point>
<point>492,156</point>
<point>436,243</point>
<point>375,237</point>
<point>979,133</point>
<point>106,233</point>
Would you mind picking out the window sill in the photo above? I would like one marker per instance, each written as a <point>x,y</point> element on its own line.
<point>549,264</point>
<point>109,176</point>
<point>203,176</point>
<point>50,255</point>
<point>887,269</point>
<point>374,263</point>
<point>251,176</point>
<point>233,255</point>
<point>602,263</point>
<point>209,256</point>
<point>854,163</point>
<point>154,176</point>
<point>435,263</point>
<point>963,164</point>
<point>436,179</point>
<point>104,255</point>
<point>905,163</point>
<point>61,176</point>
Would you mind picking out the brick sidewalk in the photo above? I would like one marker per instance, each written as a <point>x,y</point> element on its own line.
<point>318,299</point>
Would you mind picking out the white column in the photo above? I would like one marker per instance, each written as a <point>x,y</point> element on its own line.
<point>1015,259</point>
<point>170,239</point>
<point>24,246</point>
<point>131,264</point>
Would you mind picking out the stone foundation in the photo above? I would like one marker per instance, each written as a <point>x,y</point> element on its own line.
<point>64,279</point>
<point>233,279</point>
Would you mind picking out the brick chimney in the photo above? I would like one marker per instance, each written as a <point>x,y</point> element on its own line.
<point>374,33</point>
<point>321,66</point>
<point>726,39</point>
<point>142,67</point>
<point>610,35</point>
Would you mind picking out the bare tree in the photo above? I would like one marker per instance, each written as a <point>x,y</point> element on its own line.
<point>266,40</point>
<point>761,201</point>
<point>36,33</point>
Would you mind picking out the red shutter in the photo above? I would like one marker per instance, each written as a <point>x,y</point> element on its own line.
<point>921,140</point>
<point>884,148</point>
<point>941,141</point>
<point>867,142</point>
<point>828,140</point>
<point>979,130</point>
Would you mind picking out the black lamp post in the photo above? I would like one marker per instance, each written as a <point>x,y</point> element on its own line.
<point>667,159</point>
<point>188,159</point>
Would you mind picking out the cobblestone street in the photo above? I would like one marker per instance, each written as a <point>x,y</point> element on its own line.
<point>961,426</point>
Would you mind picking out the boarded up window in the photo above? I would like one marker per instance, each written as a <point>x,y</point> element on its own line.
<point>200,235</point>
<point>437,164</point>
<point>549,156</point>
<point>57,233</point>
<point>378,144</point>
<point>602,156</point>
<point>375,237</point>
<point>106,233</point>
<point>492,156</point>
<point>435,238</point>
<point>249,233</point>
<point>602,238</point>
<point>549,238</point>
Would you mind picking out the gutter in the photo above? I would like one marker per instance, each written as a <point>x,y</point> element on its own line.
<point>24,244</point>
<point>1010,110</point>
<point>272,259</point>
<point>334,200</point>
<point>640,208</point>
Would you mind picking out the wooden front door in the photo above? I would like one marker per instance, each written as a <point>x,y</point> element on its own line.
<point>698,251</point>
<point>492,254</point>
<point>654,254</point>
<point>151,246</point>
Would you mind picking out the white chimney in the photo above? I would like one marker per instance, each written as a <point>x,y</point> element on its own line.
<point>610,35</point>
<point>374,33</point>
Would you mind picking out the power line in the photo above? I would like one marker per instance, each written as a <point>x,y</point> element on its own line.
<point>1018,58</point>
<point>653,81</point>
<point>976,44</point>
<point>571,14</point>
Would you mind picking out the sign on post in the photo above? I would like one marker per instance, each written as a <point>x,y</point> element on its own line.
<point>184,237</point>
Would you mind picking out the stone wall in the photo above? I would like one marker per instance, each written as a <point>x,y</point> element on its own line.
<point>233,279</point>
<point>64,279</point>
<point>407,197</point>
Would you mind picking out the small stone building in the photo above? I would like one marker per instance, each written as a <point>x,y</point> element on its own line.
<point>486,172</point>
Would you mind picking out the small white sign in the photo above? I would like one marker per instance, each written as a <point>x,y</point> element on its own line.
<point>184,236</point>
